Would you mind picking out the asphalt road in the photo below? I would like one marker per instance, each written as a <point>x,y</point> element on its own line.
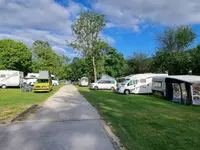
<point>66,121</point>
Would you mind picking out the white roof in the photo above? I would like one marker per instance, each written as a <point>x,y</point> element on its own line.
<point>185,78</point>
<point>146,75</point>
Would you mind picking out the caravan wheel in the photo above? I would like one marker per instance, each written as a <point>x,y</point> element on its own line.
<point>3,86</point>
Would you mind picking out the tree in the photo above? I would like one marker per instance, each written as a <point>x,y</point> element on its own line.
<point>139,63</point>
<point>195,60</point>
<point>44,58</point>
<point>86,29</point>
<point>114,62</point>
<point>175,39</point>
<point>78,68</point>
<point>171,55</point>
<point>15,56</point>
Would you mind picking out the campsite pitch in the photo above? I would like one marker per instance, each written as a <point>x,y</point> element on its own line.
<point>13,101</point>
<point>146,122</point>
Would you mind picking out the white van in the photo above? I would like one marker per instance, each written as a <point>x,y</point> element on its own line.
<point>55,81</point>
<point>104,84</point>
<point>84,81</point>
<point>138,84</point>
<point>11,78</point>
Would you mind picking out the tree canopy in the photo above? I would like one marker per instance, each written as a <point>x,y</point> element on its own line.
<point>14,56</point>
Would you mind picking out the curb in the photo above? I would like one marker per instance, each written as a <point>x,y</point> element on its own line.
<point>114,139</point>
<point>23,113</point>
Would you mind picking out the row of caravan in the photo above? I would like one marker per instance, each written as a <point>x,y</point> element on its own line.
<point>184,89</point>
<point>13,78</point>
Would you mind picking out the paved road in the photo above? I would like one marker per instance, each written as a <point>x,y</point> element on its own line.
<point>65,122</point>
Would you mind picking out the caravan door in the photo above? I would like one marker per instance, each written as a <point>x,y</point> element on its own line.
<point>195,91</point>
<point>176,92</point>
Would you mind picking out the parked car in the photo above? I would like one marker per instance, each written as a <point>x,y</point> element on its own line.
<point>104,84</point>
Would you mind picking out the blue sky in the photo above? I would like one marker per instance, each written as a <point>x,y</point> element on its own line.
<point>132,25</point>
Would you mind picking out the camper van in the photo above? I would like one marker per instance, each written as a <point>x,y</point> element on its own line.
<point>11,78</point>
<point>43,82</point>
<point>184,89</point>
<point>138,84</point>
<point>84,81</point>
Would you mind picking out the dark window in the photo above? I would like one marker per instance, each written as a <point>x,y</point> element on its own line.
<point>106,82</point>
<point>42,80</point>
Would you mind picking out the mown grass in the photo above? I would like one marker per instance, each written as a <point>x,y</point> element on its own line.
<point>13,101</point>
<point>146,122</point>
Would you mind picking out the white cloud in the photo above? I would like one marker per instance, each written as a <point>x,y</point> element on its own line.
<point>30,20</point>
<point>107,38</point>
<point>131,13</point>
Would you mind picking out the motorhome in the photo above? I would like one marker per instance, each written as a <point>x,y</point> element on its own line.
<point>138,84</point>
<point>43,82</point>
<point>184,89</point>
<point>84,81</point>
<point>11,78</point>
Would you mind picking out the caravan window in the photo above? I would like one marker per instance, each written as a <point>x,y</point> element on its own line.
<point>142,80</point>
<point>157,84</point>
<point>2,75</point>
<point>132,82</point>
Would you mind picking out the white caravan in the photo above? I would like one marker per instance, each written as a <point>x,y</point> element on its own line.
<point>11,78</point>
<point>138,84</point>
<point>84,81</point>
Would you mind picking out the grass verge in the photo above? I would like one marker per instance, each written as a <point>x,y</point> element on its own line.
<point>13,101</point>
<point>144,122</point>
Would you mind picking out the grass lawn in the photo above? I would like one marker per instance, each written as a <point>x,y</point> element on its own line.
<point>146,122</point>
<point>13,101</point>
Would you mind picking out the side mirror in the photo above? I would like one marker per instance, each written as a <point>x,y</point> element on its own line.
<point>128,84</point>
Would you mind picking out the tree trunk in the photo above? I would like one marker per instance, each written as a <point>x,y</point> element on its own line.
<point>95,71</point>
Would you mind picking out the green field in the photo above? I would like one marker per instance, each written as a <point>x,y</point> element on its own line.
<point>13,101</point>
<point>146,122</point>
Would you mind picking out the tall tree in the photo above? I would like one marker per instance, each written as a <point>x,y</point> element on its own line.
<point>44,58</point>
<point>175,39</point>
<point>15,56</point>
<point>171,55</point>
<point>139,63</point>
<point>86,29</point>
<point>114,62</point>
